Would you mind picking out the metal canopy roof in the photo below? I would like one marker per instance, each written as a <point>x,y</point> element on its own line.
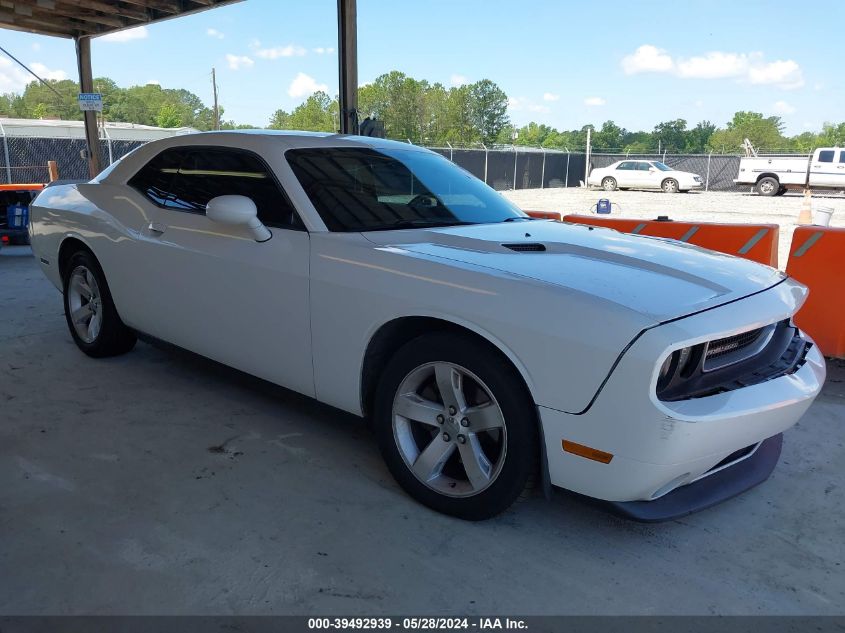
<point>90,18</point>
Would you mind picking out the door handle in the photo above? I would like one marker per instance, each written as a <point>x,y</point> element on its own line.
<point>157,228</point>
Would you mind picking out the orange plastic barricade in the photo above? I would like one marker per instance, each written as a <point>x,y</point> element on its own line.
<point>817,260</point>
<point>757,242</point>
<point>545,215</point>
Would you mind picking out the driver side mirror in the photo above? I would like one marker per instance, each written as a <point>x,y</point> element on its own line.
<point>237,211</point>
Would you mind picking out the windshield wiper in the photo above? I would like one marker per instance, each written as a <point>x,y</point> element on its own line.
<point>517,218</point>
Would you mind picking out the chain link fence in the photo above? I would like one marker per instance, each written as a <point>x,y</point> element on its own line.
<point>24,160</point>
<point>716,170</point>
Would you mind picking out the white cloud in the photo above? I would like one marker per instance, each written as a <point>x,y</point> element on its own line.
<point>784,73</point>
<point>304,85</point>
<point>594,101</point>
<point>744,67</point>
<point>13,78</point>
<point>291,50</point>
<point>457,80</point>
<point>214,33</point>
<point>138,33</point>
<point>236,62</point>
<point>782,107</point>
<point>516,104</point>
<point>36,46</point>
<point>153,82</point>
<point>713,65</point>
<point>699,103</point>
<point>45,73</point>
<point>548,96</point>
<point>320,50</point>
<point>647,59</point>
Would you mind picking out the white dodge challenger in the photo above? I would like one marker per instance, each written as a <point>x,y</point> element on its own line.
<point>487,349</point>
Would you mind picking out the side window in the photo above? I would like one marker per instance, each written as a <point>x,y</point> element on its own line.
<point>842,156</point>
<point>627,166</point>
<point>205,173</point>
<point>826,156</point>
<point>154,179</point>
<point>643,166</point>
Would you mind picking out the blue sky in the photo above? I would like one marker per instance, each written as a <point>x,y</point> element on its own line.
<point>563,63</point>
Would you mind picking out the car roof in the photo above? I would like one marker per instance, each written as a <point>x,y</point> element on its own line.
<point>294,138</point>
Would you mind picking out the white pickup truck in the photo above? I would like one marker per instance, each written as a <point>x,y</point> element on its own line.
<point>774,175</point>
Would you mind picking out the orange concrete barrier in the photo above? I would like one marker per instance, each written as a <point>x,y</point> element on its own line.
<point>817,260</point>
<point>757,242</point>
<point>545,215</point>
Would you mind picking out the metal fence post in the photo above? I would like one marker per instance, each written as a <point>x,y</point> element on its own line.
<point>543,172</point>
<point>707,179</point>
<point>485,162</point>
<point>514,167</point>
<point>108,144</point>
<point>6,154</point>
<point>568,156</point>
<point>450,151</point>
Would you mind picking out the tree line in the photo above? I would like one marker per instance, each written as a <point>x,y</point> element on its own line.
<point>424,113</point>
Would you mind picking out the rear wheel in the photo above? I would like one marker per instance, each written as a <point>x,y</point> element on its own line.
<point>456,426</point>
<point>91,317</point>
<point>767,186</point>
<point>608,184</point>
<point>670,185</point>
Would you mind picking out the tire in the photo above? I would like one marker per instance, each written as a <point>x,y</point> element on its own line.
<point>503,459</point>
<point>91,317</point>
<point>670,185</point>
<point>781,191</point>
<point>608,184</point>
<point>767,186</point>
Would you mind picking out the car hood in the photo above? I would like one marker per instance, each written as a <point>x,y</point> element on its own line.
<point>659,278</point>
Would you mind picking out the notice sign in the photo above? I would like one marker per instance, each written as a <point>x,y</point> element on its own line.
<point>91,101</point>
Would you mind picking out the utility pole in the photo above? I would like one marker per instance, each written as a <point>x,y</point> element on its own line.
<point>216,109</point>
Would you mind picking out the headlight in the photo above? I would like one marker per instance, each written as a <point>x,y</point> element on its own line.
<point>676,365</point>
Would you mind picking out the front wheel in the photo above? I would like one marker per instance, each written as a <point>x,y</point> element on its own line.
<point>608,184</point>
<point>456,426</point>
<point>91,317</point>
<point>670,185</point>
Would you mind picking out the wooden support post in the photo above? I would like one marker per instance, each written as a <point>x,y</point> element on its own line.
<point>86,84</point>
<point>53,170</point>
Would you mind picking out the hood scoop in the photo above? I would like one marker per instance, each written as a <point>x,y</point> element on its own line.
<point>526,247</point>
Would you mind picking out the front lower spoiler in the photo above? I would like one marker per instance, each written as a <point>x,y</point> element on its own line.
<point>706,492</point>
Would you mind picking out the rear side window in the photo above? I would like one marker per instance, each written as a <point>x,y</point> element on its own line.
<point>185,179</point>
<point>826,156</point>
<point>643,166</point>
<point>842,156</point>
<point>627,166</point>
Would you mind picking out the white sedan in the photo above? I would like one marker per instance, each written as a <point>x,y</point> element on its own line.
<point>486,348</point>
<point>643,174</point>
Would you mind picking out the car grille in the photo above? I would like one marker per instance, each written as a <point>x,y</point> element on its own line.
<point>730,344</point>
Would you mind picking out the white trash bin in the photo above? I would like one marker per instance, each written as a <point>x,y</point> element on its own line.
<point>822,215</point>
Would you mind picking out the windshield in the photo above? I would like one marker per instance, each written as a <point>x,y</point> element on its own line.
<point>363,189</point>
<point>662,166</point>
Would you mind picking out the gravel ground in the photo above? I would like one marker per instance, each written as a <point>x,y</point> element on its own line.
<point>703,207</point>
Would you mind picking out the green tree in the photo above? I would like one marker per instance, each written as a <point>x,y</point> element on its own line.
<point>765,133</point>
<point>489,109</point>
<point>698,137</point>
<point>671,136</point>
<point>609,137</point>
<point>168,116</point>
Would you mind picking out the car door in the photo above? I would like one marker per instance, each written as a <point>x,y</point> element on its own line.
<point>211,288</point>
<point>839,171</point>
<point>823,168</point>
<point>625,174</point>
<point>651,177</point>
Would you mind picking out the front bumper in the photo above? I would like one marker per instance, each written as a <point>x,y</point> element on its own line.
<point>707,491</point>
<point>660,448</point>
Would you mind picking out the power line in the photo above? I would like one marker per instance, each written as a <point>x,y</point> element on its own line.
<point>27,69</point>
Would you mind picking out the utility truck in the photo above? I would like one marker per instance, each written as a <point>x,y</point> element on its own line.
<point>775,175</point>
